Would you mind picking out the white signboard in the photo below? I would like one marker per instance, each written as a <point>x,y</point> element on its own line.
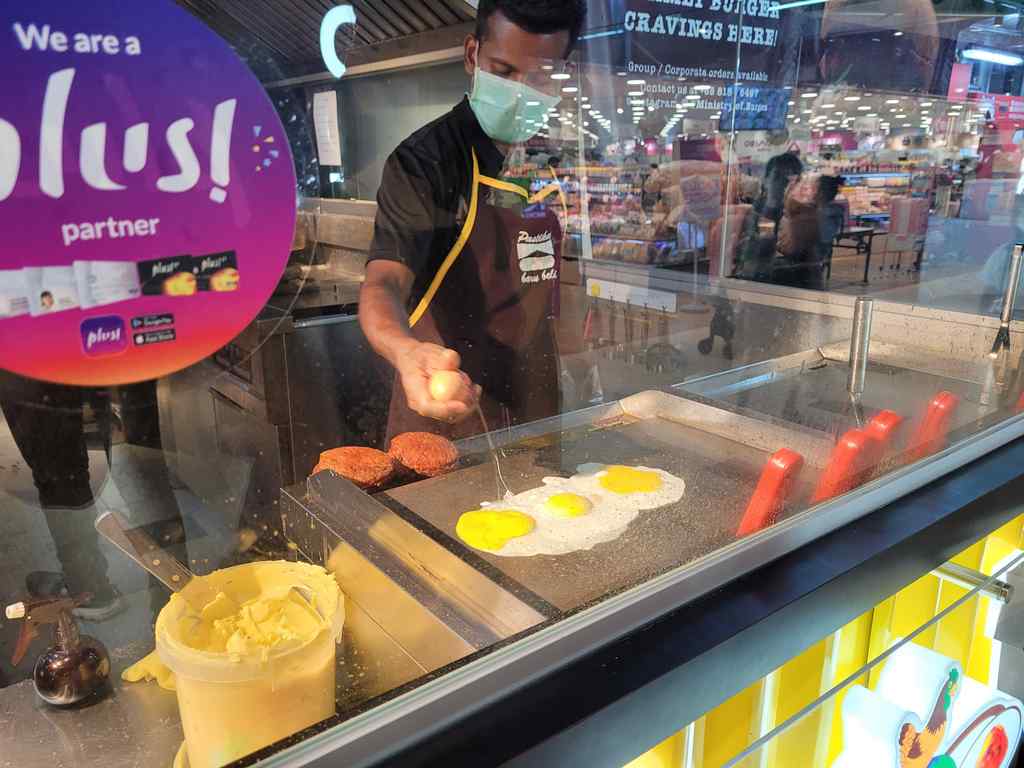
<point>325,122</point>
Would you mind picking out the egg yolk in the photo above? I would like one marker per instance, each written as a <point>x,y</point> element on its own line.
<point>568,505</point>
<point>492,529</point>
<point>624,480</point>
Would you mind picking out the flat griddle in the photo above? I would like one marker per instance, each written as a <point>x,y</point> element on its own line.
<point>679,435</point>
<point>816,396</point>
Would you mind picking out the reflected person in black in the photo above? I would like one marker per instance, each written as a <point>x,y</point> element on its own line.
<point>756,254</point>
<point>47,422</point>
<point>790,234</point>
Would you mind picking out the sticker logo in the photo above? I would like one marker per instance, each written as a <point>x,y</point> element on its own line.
<point>536,257</point>
<point>158,181</point>
<point>103,336</point>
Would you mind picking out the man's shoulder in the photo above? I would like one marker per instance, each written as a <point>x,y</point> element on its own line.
<point>435,144</point>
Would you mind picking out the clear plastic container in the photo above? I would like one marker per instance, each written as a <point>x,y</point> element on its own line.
<point>233,705</point>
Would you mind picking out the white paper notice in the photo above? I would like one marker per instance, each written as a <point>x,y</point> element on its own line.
<point>325,121</point>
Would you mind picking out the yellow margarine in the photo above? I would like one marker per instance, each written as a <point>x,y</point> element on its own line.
<point>150,669</point>
<point>255,627</point>
<point>255,664</point>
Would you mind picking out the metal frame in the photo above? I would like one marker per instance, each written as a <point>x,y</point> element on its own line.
<point>377,736</point>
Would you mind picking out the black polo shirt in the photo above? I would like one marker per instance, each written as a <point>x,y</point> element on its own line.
<point>425,191</point>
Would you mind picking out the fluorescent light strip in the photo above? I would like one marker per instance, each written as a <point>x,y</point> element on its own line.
<point>993,57</point>
<point>801,4</point>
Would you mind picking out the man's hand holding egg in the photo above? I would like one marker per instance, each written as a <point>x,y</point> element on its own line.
<point>434,385</point>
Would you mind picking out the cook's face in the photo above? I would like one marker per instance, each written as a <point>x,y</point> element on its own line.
<point>515,54</point>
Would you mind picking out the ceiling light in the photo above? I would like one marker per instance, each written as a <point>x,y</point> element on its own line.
<point>897,34</point>
<point>892,101</point>
<point>899,117</point>
<point>907,125</point>
<point>560,76</point>
<point>636,82</point>
<point>827,106</point>
<point>570,89</point>
<point>993,57</point>
<point>807,112</point>
<point>926,103</point>
<point>533,103</point>
<point>620,110</point>
<point>635,93</point>
<point>851,98</point>
<point>791,103</point>
<point>546,67</point>
<point>693,97</point>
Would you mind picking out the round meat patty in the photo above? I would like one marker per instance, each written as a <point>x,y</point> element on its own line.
<point>423,453</point>
<point>366,467</point>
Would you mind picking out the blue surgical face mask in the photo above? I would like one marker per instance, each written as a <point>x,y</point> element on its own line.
<point>508,111</point>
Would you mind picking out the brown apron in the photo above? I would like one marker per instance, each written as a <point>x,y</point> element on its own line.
<point>494,300</point>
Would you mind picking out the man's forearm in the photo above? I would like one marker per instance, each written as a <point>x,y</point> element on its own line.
<point>383,319</point>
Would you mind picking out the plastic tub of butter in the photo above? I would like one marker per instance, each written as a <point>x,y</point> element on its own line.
<point>257,663</point>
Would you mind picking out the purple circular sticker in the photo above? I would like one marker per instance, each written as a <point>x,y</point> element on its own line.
<point>147,192</point>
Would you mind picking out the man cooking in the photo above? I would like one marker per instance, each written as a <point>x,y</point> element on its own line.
<point>463,272</point>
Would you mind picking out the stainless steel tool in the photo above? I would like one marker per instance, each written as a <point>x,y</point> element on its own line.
<point>1009,300</point>
<point>860,345</point>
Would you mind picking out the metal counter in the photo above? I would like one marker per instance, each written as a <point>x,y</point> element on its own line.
<point>719,455</point>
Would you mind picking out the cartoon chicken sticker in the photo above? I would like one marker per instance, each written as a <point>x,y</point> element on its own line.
<point>917,748</point>
<point>970,725</point>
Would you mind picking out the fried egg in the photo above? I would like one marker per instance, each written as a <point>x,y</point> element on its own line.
<point>492,529</point>
<point>641,487</point>
<point>569,514</point>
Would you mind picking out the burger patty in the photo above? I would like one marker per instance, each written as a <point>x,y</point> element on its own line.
<point>424,453</point>
<point>366,467</point>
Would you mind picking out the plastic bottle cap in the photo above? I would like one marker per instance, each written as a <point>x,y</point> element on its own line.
<point>15,611</point>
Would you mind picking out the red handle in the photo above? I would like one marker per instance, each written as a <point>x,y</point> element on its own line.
<point>882,430</point>
<point>846,465</point>
<point>933,432</point>
<point>1020,403</point>
<point>772,490</point>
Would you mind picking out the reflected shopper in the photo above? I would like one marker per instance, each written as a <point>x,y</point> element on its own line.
<point>47,422</point>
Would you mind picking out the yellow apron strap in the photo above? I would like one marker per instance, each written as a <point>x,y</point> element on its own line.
<point>453,254</point>
<point>544,192</point>
<point>555,186</point>
<point>507,186</point>
<point>467,229</point>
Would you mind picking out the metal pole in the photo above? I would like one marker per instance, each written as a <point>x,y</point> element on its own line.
<point>1010,297</point>
<point>860,343</point>
<point>971,579</point>
<point>1009,300</point>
